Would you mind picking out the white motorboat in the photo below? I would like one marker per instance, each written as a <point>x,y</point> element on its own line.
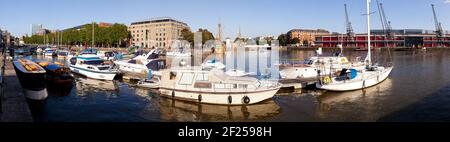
<point>49,52</point>
<point>142,64</point>
<point>39,51</point>
<point>151,84</point>
<point>91,66</point>
<point>179,53</point>
<point>357,79</point>
<point>62,53</point>
<point>210,64</point>
<point>215,87</point>
<point>106,55</point>
<point>316,66</point>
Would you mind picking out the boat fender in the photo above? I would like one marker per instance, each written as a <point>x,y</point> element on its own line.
<point>326,80</point>
<point>173,94</point>
<point>199,97</point>
<point>230,99</point>
<point>246,100</point>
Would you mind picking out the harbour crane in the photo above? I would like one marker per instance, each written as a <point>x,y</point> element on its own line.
<point>348,25</point>
<point>439,31</point>
<point>385,24</point>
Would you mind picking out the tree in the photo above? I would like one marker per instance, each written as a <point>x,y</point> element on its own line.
<point>283,39</point>
<point>305,42</point>
<point>206,35</point>
<point>187,35</point>
<point>116,36</point>
<point>295,41</point>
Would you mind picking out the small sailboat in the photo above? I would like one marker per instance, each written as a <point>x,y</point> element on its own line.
<point>352,79</point>
<point>32,79</point>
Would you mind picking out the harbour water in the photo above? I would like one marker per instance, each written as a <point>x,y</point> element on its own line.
<point>417,90</point>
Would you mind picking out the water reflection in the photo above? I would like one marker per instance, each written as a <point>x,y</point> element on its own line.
<point>330,98</point>
<point>174,110</point>
<point>87,86</point>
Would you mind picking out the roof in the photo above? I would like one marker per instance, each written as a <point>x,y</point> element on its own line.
<point>158,20</point>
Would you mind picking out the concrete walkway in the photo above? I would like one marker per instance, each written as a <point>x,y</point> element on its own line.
<point>14,105</point>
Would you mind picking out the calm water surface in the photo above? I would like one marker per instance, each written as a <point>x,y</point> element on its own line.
<point>418,89</point>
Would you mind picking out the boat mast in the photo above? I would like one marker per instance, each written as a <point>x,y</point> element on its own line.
<point>93,26</point>
<point>368,58</point>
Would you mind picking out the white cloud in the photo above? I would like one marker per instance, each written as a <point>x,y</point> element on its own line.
<point>447,1</point>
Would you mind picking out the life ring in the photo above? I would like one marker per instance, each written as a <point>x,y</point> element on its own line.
<point>246,100</point>
<point>230,99</point>
<point>326,80</point>
<point>199,97</point>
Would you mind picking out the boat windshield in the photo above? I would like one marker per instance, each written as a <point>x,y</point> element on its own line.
<point>309,62</point>
<point>94,62</point>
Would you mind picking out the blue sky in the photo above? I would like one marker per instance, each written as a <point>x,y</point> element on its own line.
<point>255,17</point>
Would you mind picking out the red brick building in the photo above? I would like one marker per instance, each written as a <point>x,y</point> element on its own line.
<point>401,38</point>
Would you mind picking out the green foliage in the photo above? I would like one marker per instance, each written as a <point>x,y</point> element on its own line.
<point>113,36</point>
<point>188,35</point>
<point>295,41</point>
<point>283,40</point>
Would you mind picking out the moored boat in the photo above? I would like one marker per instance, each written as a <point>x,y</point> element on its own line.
<point>32,79</point>
<point>142,64</point>
<point>57,74</point>
<point>215,87</point>
<point>62,53</point>
<point>49,52</point>
<point>91,66</point>
<point>370,76</point>
<point>316,66</point>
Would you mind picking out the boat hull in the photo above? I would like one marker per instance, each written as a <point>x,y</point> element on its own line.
<point>357,85</point>
<point>93,74</point>
<point>36,95</point>
<point>219,98</point>
<point>33,84</point>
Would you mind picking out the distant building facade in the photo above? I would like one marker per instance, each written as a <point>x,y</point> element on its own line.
<point>1,38</point>
<point>36,29</point>
<point>5,37</point>
<point>158,32</point>
<point>401,38</point>
<point>306,36</point>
